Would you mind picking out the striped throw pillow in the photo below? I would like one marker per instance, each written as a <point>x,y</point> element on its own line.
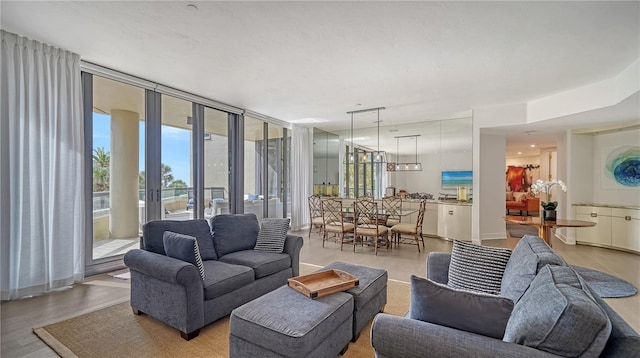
<point>183,247</point>
<point>477,268</point>
<point>272,235</point>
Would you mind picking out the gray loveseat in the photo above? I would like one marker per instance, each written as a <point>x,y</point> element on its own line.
<point>172,291</point>
<point>533,275</point>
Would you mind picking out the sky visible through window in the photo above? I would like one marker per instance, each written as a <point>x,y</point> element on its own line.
<point>175,150</point>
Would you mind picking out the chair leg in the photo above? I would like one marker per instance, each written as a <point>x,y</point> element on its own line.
<point>341,241</point>
<point>417,242</point>
<point>422,238</point>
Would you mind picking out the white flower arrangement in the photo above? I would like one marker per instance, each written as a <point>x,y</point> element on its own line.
<point>545,187</point>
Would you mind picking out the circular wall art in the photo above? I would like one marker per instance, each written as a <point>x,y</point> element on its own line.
<point>623,164</point>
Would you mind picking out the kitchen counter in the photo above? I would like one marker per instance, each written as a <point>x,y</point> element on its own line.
<point>609,206</point>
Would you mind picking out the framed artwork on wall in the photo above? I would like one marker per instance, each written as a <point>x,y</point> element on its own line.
<point>620,167</point>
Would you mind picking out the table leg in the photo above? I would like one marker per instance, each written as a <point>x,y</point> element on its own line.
<point>547,234</point>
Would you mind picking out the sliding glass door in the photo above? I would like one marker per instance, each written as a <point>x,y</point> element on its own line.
<point>118,178</point>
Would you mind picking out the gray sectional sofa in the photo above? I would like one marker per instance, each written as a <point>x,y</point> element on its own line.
<point>555,313</point>
<point>172,291</point>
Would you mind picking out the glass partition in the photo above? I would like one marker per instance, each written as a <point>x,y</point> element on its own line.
<point>443,145</point>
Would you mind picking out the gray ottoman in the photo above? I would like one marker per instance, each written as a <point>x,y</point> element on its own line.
<point>285,323</point>
<point>369,297</point>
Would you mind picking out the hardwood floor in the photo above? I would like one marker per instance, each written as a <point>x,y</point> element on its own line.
<point>18,318</point>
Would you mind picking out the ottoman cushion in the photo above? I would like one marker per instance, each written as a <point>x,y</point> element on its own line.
<point>371,281</point>
<point>288,323</point>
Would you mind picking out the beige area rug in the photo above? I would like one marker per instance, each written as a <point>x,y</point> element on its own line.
<point>116,332</point>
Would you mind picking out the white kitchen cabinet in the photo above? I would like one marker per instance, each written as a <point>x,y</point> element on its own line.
<point>625,229</point>
<point>599,234</point>
<point>454,221</point>
<point>430,221</point>
<point>615,227</point>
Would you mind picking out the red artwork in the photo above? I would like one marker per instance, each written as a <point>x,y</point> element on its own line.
<point>515,178</point>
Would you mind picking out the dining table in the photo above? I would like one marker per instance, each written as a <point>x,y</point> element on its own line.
<point>546,227</point>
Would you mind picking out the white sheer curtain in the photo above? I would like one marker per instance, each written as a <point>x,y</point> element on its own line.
<point>42,144</point>
<point>301,175</point>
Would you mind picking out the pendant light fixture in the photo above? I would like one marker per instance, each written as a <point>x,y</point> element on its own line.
<point>408,167</point>
<point>351,146</point>
<point>377,156</point>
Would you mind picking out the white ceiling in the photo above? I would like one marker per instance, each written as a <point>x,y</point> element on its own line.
<point>293,60</point>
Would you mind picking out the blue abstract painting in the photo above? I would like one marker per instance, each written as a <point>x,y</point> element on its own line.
<point>452,179</point>
<point>623,165</point>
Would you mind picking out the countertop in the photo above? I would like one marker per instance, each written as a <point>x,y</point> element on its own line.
<point>609,206</point>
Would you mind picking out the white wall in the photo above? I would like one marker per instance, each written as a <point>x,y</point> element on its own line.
<point>492,204</point>
<point>489,158</point>
<point>603,143</point>
<point>522,161</point>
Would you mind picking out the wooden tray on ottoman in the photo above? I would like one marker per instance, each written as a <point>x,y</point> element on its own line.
<point>323,283</point>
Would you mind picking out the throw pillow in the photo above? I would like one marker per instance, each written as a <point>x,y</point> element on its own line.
<point>529,256</point>
<point>272,235</point>
<point>469,311</point>
<point>234,232</point>
<point>477,268</point>
<point>183,247</point>
<point>519,196</point>
<point>509,196</point>
<point>558,314</point>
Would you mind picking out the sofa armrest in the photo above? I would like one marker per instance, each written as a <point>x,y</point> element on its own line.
<point>292,247</point>
<point>533,204</point>
<point>438,266</point>
<point>163,268</point>
<point>394,336</point>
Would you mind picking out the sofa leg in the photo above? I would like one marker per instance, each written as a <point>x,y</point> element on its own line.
<point>344,350</point>
<point>136,311</point>
<point>189,336</point>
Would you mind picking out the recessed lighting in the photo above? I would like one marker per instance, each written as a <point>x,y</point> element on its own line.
<point>530,132</point>
<point>519,153</point>
<point>394,130</point>
<point>532,146</point>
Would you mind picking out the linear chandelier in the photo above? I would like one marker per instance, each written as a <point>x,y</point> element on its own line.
<point>407,167</point>
<point>377,156</point>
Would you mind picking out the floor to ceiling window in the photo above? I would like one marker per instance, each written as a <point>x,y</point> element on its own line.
<point>176,157</point>
<point>158,156</point>
<point>216,163</point>
<point>118,181</point>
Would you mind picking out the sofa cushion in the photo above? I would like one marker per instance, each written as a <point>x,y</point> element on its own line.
<point>153,232</point>
<point>261,262</point>
<point>183,247</point>
<point>469,311</point>
<point>272,235</point>
<point>559,315</point>
<point>477,268</point>
<point>222,278</point>
<point>234,232</point>
<point>528,257</point>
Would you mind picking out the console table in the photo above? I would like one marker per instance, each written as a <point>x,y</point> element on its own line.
<point>545,227</point>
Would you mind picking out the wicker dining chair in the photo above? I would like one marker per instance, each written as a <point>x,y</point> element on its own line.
<point>366,212</point>
<point>333,221</point>
<point>414,230</point>
<point>315,214</point>
<point>392,206</point>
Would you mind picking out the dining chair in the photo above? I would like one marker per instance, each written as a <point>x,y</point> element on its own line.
<point>414,230</point>
<point>315,214</point>
<point>364,198</point>
<point>367,225</point>
<point>332,217</point>
<point>392,206</point>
